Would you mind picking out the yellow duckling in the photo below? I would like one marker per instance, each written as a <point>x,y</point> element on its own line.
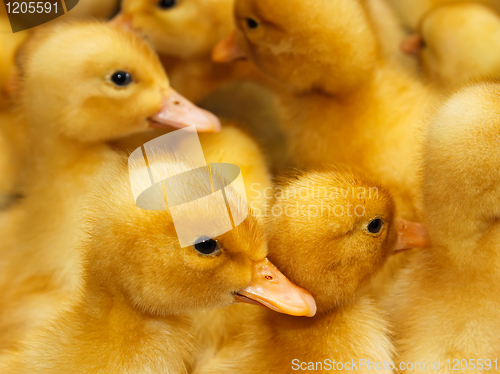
<point>74,98</point>
<point>458,43</point>
<point>134,310</point>
<point>446,306</point>
<point>331,232</point>
<point>185,32</point>
<point>412,11</point>
<point>342,103</point>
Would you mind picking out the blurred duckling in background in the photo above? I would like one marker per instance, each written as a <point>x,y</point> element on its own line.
<point>329,231</point>
<point>344,103</point>
<point>134,311</point>
<point>188,30</point>
<point>458,43</point>
<point>184,33</point>
<point>446,304</point>
<point>411,12</point>
<point>74,97</point>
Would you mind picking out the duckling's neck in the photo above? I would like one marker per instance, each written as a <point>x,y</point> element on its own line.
<point>57,152</point>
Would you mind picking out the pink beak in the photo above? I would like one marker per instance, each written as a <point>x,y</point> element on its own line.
<point>177,112</point>
<point>412,45</point>
<point>227,50</point>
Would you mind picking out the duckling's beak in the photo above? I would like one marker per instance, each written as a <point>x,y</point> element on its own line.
<point>412,45</point>
<point>123,21</point>
<point>178,112</point>
<point>227,50</point>
<point>411,235</point>
<point>270,288</point>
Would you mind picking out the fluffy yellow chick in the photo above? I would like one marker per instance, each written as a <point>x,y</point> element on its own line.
<point>134,310</point>
<point>74,97</point>
<point>458,43</point>
<point>447,303</point>
<point>344,103</point>
<point>185,32</point>
<point>330,232</point>
<point>412,11</point>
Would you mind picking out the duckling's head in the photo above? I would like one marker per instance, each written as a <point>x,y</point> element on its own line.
<point>136,253</point>
<point>332,231</point>
<point>457,43</point>
<point>93,82</point>
<point>180,28</point>
<point>324,45</point>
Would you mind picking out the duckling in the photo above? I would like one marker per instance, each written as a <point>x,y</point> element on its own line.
<point>343,104</point>
<point>458,43</point>
<point>446,303</point>
<point>142,290</point>
<point>411,12</point>
<point>75,97</point>
<point>184,34</point>
<point>331,231</point>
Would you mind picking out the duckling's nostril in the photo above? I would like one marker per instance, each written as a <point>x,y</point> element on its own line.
<point>268,277</point>
<point>177,102</point>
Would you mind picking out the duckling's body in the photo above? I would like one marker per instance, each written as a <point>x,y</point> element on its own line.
<point>320,241</point>
<point>446,303</point>
<point>133,310</point>
<point>230,145</point>
<point>39,263</point>
<point>458,43</point>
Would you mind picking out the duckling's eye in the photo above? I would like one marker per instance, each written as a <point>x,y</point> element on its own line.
<point>121,78</point>
<point>207,247</point>
<point>251,23</point>
<point>375,226</point>
<point>167,4</point>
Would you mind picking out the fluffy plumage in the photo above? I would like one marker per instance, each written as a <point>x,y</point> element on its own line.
<point>446,305</point>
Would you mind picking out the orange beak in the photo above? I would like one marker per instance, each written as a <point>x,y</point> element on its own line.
<point>177,112</point>
<point>412,45</point>
<point>227,50</point>
<point>411,235</point>
<point>123,21</point>
<point>270,288</point>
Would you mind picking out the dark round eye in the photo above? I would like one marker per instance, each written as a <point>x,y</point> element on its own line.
<point>375,226</point>
<point>207,247</point>
<point>251,23</point>
<point>167,4</point>
<point>121,78</point>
